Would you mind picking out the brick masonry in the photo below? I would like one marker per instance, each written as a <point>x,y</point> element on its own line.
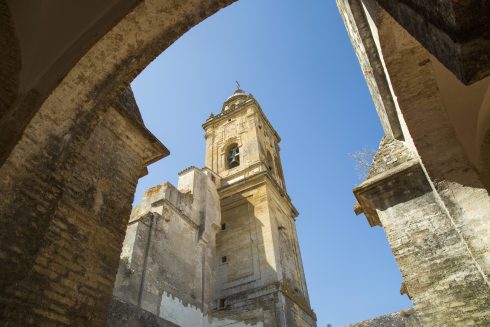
<point>64,264</point>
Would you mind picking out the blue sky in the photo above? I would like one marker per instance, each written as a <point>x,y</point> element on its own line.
<point>299,64</point>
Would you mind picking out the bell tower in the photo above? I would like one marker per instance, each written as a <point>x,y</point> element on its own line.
<point>259,272</point>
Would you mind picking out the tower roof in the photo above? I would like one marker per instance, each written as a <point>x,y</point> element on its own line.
<point>239,93</point>
<point>237,101</point>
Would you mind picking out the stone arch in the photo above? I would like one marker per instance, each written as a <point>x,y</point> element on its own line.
<point>449,178</point>
<point>231,142</point>
<point>232,150</point>
<point>47,154</point>
<point>51,36</point>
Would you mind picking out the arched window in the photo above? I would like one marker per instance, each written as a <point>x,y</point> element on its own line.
<point>233,156</point>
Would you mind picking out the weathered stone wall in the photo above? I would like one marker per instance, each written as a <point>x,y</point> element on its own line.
<point>168,258</point>
<point>424,192</point>
<point>440,273</point>
<point>290,266</point>
<point>256,307</point>
<point>457,184</point>
<point>64,223</point>
<point>365,43</point>
<point>123,314</point>
<point>405,318</point>
<point>251,257</point>
<point>295,314</point>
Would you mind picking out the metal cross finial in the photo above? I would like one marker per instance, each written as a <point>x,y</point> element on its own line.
<point>237,84</point>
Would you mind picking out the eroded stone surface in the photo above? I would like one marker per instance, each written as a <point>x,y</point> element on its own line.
<point>64,237</point>
<point>406,318</point>
<point>422,188</point>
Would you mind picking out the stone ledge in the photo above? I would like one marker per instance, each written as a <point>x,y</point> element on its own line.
<point>362,206</point>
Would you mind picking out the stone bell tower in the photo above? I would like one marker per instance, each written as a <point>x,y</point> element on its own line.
<point>259,276</point>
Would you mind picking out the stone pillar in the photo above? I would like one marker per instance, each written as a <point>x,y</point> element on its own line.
<point>430,133</point>
<point>440,272</point>
<point>430,200</point>
<point>63,221</point>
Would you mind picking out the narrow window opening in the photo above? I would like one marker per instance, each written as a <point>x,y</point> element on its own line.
<point>223,226</point>
<point>270,162</point>
<point>224,259</point>
<point>222,303</point>
<point>233,156</point>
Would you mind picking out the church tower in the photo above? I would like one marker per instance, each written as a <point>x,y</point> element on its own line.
<point>259,273</point>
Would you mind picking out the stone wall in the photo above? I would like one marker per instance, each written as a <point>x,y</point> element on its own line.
<point>405,318</point>
<point>440,273</point>
<point>422,188</point>
<point>168,258</point>
<point>64,222</point>
<point>454,32</point>
<point>123,314</point>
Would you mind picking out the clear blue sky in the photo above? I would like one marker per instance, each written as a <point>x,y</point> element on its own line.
<point>299,64</point>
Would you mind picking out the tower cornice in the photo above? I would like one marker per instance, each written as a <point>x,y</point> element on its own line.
<point>252,182</point>
<point>214,119</point>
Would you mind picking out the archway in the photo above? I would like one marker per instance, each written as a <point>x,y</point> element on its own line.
<point>53,178</point>
<point>44,178</point>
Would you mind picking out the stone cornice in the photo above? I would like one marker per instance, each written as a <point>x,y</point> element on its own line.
<point>285,289</point>
<point>260,178</point>
<point>182,172</point>
<point>274,288</point>
<point>160,150</point>
<point>362,191</point>
<point>224,114</point>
